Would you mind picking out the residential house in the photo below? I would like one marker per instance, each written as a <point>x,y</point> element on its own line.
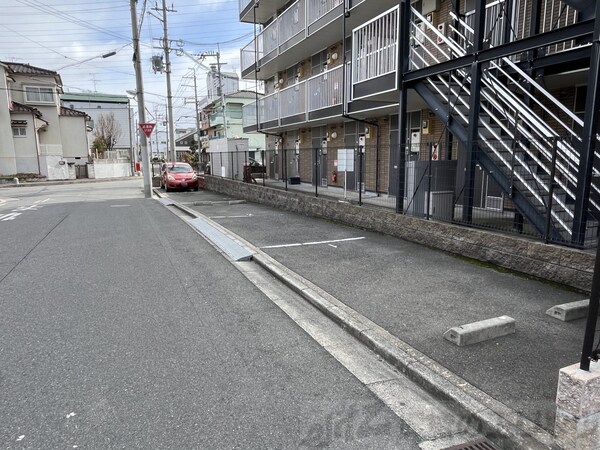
<point>96,105</point>
<point>217,81</point>
<point>222,131</point>
<point>183,141</point>
<point>482,113</point>
<point>37,134</point>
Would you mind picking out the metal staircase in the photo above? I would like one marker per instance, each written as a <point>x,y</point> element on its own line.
<point>534,162</point>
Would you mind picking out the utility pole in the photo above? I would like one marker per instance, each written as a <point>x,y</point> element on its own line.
<point>139,90</point>
<point>197,112</point>
<point>221,88</point>
<point>167,50</point>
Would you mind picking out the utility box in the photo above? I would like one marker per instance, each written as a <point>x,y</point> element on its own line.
<point>440,189</point>
<point>430,6</point>
<point>441,205</point>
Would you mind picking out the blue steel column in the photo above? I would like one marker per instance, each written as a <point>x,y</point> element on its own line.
<point>590,128</point>
<point>474,105</point>
<point>403,55</point>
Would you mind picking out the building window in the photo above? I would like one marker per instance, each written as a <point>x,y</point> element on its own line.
<point>19,131</point>
<point>35,94</point>
<point>234,110</point>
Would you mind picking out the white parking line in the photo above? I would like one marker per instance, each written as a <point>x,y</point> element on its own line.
<point>299,244</point>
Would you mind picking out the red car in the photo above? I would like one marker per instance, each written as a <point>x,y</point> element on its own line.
<point>177,175</point>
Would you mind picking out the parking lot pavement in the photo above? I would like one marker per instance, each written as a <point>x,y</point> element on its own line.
<point>417,294</point>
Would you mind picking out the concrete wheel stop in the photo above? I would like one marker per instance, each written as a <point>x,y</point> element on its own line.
<point>570,311</point>
<point>483,330</point>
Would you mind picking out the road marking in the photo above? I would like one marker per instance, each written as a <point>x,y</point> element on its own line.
<point>27,208</point>
<point>331,245</point>
<point>19,210</point>
<point>299,244</point>
<point>9,216</point>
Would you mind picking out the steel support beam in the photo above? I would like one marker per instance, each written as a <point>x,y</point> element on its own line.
<point>403,100</point>
<point>588,139</point>
<point>474,106</point>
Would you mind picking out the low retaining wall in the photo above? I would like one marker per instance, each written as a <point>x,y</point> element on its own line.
<point>562,265</point>
<point>108,169</point>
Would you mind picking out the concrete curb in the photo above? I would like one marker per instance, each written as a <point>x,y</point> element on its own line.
<point>59,182</point>
<point>494,419</point>
<point>490,417</point>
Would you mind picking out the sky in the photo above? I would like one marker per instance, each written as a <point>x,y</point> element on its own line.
<point>70,37</point>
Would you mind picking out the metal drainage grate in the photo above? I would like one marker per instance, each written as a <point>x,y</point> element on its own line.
<point>481,444</point>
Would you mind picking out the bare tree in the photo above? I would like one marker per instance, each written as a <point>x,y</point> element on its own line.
<point>108,130</point>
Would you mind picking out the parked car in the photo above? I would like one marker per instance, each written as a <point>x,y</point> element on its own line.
<point>178,175</point>
<point>256,167</point>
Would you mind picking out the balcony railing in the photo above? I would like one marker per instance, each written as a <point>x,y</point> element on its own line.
<point>248,55</point>
<point>292,100</point>
<point>249,115</point>
<point>319,91</point>
<point>318,8</point>
<point>268,107</point>
<point>292,22</point>
<point>554,14</point>
<point>267,40</point>
<point>244,3</point>
<point>325,89</point>
<point>374,47</point>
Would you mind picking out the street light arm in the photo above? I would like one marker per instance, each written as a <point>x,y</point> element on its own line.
<point>103,56</point>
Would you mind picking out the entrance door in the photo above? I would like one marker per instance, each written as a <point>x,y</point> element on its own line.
<point>393,177</point>
<point>273,165</point>
<point>322,169</point>
<point>351,141</point>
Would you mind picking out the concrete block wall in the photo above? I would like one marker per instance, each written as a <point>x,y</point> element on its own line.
<point>562,265</point>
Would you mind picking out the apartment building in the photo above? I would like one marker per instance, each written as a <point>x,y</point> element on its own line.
<point>479,112</point>
<point>222,131</point>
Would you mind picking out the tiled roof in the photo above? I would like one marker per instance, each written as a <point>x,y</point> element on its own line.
<point>184,137</point>
<point>27,69</point>
<point>243,94</point>
<point>20,108</point>
<point>64,111</point>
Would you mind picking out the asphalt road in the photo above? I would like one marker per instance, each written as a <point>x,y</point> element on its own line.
<point>417,293</point>
<point>121,328</point>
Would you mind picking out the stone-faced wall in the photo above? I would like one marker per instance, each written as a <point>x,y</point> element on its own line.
<point>562,265</point>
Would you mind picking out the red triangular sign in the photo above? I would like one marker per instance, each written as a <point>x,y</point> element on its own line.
<point>147,128</point>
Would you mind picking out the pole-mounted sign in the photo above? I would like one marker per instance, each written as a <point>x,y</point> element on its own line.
<point>147,128</point>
